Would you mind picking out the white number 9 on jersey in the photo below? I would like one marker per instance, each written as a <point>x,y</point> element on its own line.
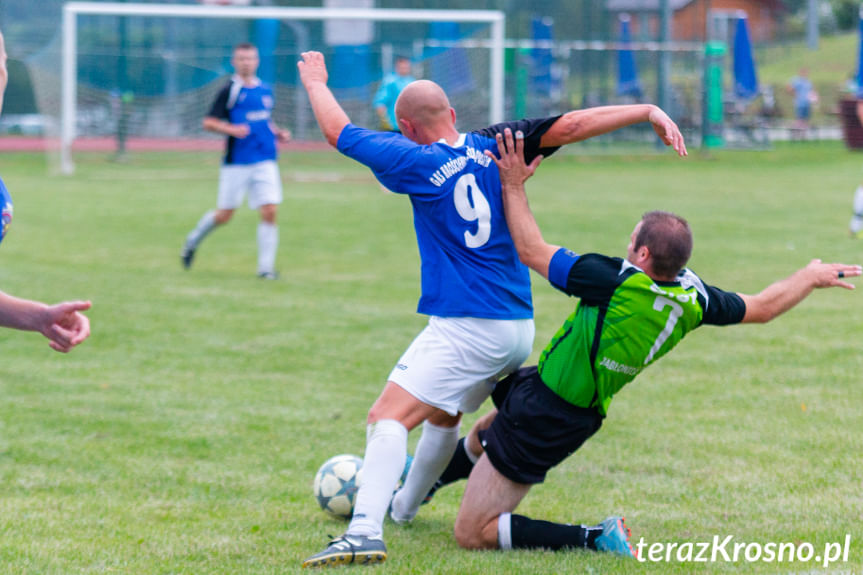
<point>480,212</point>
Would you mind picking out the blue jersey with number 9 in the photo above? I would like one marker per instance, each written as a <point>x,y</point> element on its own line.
<point>470,267</point>
<point>5,210</point>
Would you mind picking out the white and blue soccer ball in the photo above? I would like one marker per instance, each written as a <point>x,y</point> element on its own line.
<point>336,484</point>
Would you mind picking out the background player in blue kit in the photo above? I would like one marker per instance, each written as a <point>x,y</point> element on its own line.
<point>474,289</point>
<point>63,324</point>
<point>242,111</point>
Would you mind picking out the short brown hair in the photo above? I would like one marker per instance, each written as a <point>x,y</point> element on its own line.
<point>669,240</point>
<point>245,46</point>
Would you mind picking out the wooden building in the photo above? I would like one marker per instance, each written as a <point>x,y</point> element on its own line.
<point>700,20</point>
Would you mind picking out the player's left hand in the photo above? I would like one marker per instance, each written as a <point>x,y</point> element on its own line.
<point>667,130</point>
<point>284,135</point>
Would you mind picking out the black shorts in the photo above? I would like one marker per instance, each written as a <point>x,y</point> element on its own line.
<point>535,429</point>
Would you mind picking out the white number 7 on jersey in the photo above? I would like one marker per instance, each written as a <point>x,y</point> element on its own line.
<point>465,190</point>
<point>676,311</point>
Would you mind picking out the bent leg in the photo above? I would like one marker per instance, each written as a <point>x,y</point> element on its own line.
<point>393,414</point>
<point>208,222</point>
<point>434,450</point>
<point>485,519</point>
<point>487,496</point>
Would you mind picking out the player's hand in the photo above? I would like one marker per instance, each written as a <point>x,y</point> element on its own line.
<point>831,275</point>
<point>65,326</point>
<point>284,135</point>
<point>513,169</point>
<point>312,69</point>
<point>238,131</point>
<point>667,130</point>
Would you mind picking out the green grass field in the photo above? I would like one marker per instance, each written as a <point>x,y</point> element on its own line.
<point>183,437</point>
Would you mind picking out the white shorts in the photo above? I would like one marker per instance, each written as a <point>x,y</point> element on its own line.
<point>261,181</point>
<point>455,362</point>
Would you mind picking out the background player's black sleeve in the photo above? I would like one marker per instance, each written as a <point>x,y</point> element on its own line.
<point>594,277</point>
<point>721,307</point>
<point>219,109</point>
<point>533,131</point>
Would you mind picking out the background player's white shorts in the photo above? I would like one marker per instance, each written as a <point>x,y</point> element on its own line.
<point>261,181</point>
<point>454,362</point>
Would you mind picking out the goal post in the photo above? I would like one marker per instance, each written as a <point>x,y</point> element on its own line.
<point>492,42</point>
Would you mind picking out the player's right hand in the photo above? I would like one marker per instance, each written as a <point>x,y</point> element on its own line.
<point>239,131</point>
<point>312,68</point>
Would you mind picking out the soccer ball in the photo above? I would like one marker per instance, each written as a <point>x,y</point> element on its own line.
<point>336,484</point>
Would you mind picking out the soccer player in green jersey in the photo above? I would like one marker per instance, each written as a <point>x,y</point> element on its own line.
<point>631,312</point>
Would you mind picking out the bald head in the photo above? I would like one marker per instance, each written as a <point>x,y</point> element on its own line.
<point>424,105</point>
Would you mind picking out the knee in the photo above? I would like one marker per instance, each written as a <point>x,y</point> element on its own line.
<point>470,535</point>
<point>223,216</point>
<point>268,213</point>
<point>376,413</point>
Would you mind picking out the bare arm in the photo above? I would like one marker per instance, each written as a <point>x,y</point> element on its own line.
<point>62,323</point>
<point>860,111</point>
<point>781,296</point>
<point>212,124</point>
<point>532,249</point>
<point>580,125</point>
<point>331,118</point>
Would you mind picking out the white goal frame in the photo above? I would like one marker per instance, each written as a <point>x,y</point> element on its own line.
<point>71,10</point>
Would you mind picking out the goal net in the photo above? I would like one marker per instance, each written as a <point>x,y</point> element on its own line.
<point>135,72</point>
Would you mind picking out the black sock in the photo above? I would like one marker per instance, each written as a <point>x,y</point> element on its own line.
<point>527,533</point>
<point>459,466</point>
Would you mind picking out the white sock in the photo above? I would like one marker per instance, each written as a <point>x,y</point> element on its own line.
<point>434,450</point>
<point>268,242</point>
<point>857,218</point>
<point>384,461</point>
<point>205,226</point>
<point>504,531</point>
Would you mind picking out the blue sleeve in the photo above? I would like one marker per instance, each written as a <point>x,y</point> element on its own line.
<point>559,266</point>
<point>388,154</point>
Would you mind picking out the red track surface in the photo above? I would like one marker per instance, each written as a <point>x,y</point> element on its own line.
<point>33,144</point>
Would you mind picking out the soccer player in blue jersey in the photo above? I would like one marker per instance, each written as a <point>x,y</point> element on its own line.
<point>474,289</point>
<point>631,312</point>
<point>63,324</point>
<point>242,111</point>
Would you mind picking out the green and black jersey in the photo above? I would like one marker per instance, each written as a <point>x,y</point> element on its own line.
<point>623,322</point>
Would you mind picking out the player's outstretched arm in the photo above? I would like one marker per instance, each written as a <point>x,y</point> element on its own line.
<point>531,247</point>
<point>331,118</point>
<point>783,295</point>
<point>63,323</point>
<point>580,125</point>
